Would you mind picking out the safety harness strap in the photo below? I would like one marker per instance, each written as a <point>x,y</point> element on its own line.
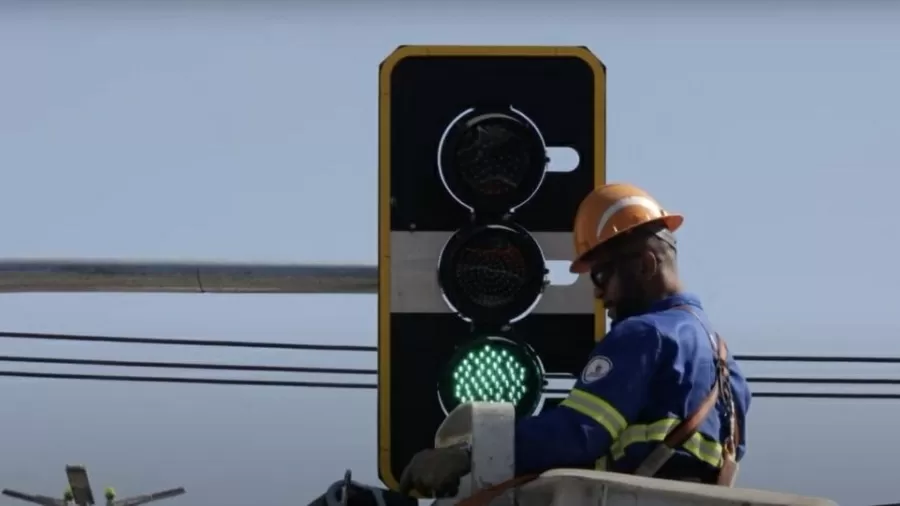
<point>682,432</point>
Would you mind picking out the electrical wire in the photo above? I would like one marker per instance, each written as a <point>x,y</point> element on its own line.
<point>369,372</point>
<point>370,349</point>
<point>373,372</point>
<point>817,359</point>
<point>370,386</point>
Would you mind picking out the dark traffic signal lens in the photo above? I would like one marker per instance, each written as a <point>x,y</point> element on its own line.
<point>492,161</point>
<point>493,369</point>
<point>492,274</point>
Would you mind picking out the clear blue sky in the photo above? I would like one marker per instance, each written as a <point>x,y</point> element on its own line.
<point>249,133</point>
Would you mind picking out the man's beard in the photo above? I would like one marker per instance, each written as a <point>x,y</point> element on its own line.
<point>626,308</point>
<point>633,300</point>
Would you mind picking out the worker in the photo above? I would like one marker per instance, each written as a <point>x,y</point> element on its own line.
<point>659,395</point>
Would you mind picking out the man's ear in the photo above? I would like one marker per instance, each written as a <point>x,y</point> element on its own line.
<point>649,265</point>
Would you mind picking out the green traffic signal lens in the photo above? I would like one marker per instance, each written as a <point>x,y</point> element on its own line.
<point>493,369</point>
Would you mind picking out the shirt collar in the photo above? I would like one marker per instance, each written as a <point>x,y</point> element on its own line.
<point>678,299</point>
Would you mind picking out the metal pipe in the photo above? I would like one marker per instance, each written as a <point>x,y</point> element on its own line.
<point>18,276</point>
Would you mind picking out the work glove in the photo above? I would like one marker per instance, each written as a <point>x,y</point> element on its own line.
<point>436,472</point>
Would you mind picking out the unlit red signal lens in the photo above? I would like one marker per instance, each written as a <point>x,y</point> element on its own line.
<point>492,161</point>
<point>492,274</point>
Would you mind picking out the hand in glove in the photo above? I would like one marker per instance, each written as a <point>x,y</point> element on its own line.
<point>436,472</point>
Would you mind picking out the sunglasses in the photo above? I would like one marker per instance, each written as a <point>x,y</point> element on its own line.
<point>601,272</point>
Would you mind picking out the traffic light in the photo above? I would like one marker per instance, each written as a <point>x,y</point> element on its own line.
<point>472,214</point>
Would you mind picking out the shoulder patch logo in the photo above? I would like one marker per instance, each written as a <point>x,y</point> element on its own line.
<point>597,369</point>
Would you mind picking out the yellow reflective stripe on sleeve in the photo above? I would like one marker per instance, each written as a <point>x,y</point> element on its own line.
<point>699,446</point>
<point>598,410</point>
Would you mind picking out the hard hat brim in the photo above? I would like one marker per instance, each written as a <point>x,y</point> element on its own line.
<point>582,264</point>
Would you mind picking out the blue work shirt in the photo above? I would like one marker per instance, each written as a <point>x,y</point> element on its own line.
<point>649,372</point>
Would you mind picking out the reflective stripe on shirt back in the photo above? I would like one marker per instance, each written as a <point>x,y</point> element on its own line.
<point>703,448</point>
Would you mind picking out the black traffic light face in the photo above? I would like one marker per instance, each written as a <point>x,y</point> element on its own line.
<point>469,217</point>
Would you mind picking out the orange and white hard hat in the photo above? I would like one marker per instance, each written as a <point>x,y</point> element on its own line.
<point>611,210</point>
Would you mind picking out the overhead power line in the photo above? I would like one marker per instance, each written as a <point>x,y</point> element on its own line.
<point>369,372</point>
<point>373,372</point>
<point>371,386</point>
<point>370,349</point>
<point>825,395</point>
